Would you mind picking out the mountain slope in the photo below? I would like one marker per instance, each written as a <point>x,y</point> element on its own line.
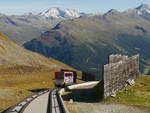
<point>23,28</point>
<point>86,42</point>
<point>22,72</point>
<point>12,54</point>
<point>143,10</point>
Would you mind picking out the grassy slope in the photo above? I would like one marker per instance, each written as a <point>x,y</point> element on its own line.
<point>12,54</point>
<point>20,85</point>
<point>20,82</point>
<point>22,72</point>
<point>9,97</point>
<point>136,95</point>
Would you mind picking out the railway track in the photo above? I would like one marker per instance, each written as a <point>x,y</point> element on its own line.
<point>53,102</point>
<point>57,105</point>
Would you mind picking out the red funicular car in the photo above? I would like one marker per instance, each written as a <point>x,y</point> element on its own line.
<point>65,77</point>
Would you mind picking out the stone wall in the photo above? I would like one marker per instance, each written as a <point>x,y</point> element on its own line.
<point>116,74</point>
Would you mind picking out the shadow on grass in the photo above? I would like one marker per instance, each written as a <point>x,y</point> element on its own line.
<point>38,90</point>
<point>88,95</point>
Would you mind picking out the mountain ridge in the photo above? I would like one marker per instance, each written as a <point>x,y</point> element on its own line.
<point>86,42</point>
<point>14,55</point>
<point>23,28</point>
<point>56,13</point>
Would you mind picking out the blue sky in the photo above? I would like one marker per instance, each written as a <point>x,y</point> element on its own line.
<point>88,6</point>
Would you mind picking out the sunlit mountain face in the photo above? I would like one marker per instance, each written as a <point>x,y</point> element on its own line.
<point>86,42</point>
<point>26,27</point>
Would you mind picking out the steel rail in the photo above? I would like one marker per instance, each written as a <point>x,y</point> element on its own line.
<point>57,104</point>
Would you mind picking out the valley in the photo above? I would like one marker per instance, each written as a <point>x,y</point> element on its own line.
<point>86,42</point>
<point>34,46</point>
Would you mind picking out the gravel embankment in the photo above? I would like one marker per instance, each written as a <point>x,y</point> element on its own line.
<point>107,108</point>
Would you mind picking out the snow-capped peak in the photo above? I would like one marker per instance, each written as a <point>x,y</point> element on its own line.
<point>143,9</point>
<point>112,11</point>
<point>52,12</point>
<point>60,13</point>
<point>72,13</point>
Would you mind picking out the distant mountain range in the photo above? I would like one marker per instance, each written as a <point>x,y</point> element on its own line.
<point>143,11</point>
<point>23,28</point>
<point>86,42</point>
<point>82,40</point>
<point>26,27</point>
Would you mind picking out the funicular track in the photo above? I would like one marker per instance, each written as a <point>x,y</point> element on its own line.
<point>53,101</point>
<point>57,105</point>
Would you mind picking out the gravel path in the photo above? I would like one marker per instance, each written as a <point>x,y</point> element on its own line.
<point>39,105</point>
<point>107,108</point>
